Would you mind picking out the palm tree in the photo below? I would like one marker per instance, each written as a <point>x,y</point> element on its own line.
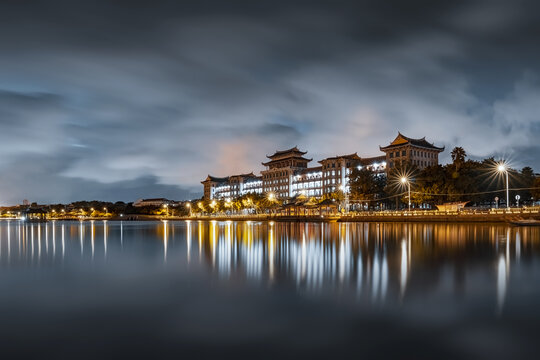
<point>458,155</point>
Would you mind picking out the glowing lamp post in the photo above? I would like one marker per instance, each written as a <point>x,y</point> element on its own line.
<point>188,205</point>
<point>166,206</point>
<point>503,169</point>
<point>404,181</point>
<point>345,197</point>
<point>271,198</point>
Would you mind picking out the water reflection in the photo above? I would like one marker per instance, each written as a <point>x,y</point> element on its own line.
<point>374,260</point>
<point>375,263</point>
<point>165,239</point>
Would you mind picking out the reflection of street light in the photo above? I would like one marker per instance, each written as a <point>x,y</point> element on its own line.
<point>404,181</point>
<point>502,168</point>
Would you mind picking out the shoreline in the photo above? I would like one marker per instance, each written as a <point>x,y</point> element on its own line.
<point>416,217</point>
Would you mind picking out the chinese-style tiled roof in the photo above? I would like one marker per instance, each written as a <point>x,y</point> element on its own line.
<point>215,179</point>
<point>372,160</point>
<point>293,150</point>
<point>297,157</point>
<point>353,156</point>
<point>401,140</point>
<point>248,175</point>
<point>227,178</point>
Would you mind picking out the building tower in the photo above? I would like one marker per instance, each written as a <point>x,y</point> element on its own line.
<point>417,152</point>
<point>278,175</point>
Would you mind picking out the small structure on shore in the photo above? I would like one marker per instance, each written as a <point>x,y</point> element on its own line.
<point>452,206</point>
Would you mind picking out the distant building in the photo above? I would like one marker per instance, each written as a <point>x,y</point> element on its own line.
<point>280,170</point>
<point>153,202</point>
<point>418,152</point>
<point>337,170</point>
<point>231,186</point>
<point>287,172</point>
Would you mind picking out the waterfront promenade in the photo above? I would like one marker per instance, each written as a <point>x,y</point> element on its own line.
<point>463,216</point>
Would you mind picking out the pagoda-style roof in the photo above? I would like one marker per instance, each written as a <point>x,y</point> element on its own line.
<point>292,151</point>
<point>248,175</point>
<point>215,179</point>
<point>293,156</point>
<point>372,160</point>
<point>227,178</point>
<point>401,140</point>
<point>353,156</point>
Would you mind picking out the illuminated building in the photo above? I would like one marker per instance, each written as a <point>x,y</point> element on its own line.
<point>337,170</point>
<point>287,172</point>
<point>417,152</point>
<point>231,186</point>
<point>281,170</point>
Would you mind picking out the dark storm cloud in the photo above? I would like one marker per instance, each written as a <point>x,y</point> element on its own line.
<point>138,99</point>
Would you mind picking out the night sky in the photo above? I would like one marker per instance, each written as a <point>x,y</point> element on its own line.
<point>124,100</point>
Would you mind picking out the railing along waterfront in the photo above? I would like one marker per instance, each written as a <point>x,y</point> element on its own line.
<point>463,215</point>
<point>463,212</point>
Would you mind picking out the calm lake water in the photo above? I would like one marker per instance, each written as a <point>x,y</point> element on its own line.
<point>257,289</point>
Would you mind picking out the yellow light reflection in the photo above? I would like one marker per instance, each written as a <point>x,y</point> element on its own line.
<point>105,234</point>
<point>165,239</point>
<point>92,237</point>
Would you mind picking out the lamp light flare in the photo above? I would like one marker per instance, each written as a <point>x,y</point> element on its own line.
<point>503,168</point>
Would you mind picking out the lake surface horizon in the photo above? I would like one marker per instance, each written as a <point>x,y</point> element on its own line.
<point>233,288</point>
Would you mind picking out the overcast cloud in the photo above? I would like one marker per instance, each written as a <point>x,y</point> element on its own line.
<point>122,100</point>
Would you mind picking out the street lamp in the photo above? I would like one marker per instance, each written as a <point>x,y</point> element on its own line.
<point>404,181</point>
<point>502,168</point>
<point>271,196</point>
<point>345,197</point>
<point>188,205</point>
<point>166,206</point>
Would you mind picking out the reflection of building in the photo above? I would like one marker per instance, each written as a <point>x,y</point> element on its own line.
<point>418,152</point>
<point>288,174</point>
